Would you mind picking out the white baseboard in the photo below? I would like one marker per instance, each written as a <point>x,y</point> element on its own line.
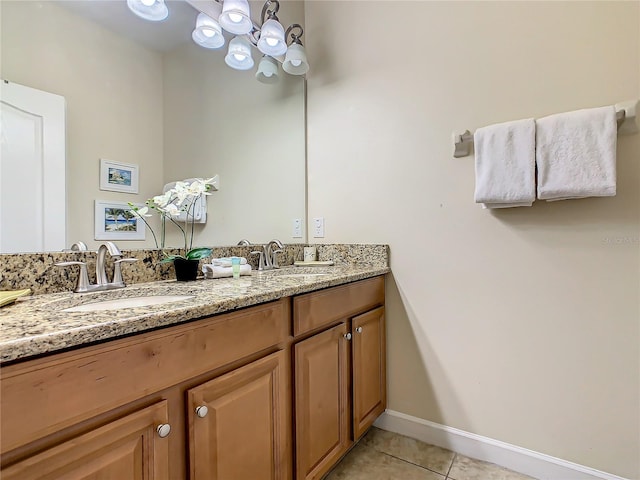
<point>528,462</point>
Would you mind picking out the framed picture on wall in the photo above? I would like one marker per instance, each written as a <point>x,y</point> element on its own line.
<point>118,177</point>
<point>115,221</point>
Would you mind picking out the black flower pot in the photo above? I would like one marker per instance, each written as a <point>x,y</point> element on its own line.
<point>186,270</point>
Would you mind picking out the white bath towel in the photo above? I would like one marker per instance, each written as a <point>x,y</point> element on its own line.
<point>576,154</point>
<point>215,271</point>
<point>226,261</point>
<point>505,164</point>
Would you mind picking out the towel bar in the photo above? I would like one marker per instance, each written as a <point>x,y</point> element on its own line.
<point>625,116</point>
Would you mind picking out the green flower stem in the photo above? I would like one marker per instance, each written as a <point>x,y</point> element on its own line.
<point>193,207</point>
<point>150,229</point>
<point>163,236</point>
<point>181,229</point>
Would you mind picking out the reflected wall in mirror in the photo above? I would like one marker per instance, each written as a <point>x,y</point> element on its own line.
<point>170,107</point>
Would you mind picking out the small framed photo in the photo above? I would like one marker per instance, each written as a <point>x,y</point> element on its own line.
<point>115,221</point>
<point>118,177</point>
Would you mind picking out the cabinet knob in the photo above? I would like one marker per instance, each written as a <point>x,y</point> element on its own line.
<point>359,329</point>
<point>163,430</point>
<point>202,411</point>
<point>347,336</point>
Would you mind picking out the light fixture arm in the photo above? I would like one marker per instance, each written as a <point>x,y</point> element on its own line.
<point>271,13</point>
<point>295,37</point>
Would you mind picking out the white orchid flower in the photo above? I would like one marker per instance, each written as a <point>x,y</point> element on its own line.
<point>162,200</point>
<point>181,191</point>
<point>204,185</point>
<point>180,198</point>
<point>140,212</point>
<point>197,187</point>
<point>172,210</point>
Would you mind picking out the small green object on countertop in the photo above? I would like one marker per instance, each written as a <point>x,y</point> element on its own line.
<point>7,297</point>
<point>235,265</point>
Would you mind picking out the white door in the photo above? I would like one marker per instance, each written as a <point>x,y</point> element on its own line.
<point>32,170</point>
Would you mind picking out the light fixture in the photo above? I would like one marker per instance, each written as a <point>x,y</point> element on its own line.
<point>272,40</point>
<point>208,33</point>
<point>295,62</point>
<point>267,70</point>
<point>239,54</point>
<point>154,10</point>
<point>236,17</point>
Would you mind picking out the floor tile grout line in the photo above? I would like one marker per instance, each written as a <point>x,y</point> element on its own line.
<point>415,464</point>
<point>455,455</point>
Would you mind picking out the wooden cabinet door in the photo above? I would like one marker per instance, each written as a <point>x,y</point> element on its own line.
<point>321,402</point>
<point>243,434</point>
<point>127,448</point>
<point>369,369</point>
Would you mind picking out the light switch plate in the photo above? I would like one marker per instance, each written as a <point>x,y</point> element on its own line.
<point>318,227</point>
<point>296,231</point>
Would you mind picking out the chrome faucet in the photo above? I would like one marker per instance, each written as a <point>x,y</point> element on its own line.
<point>268,256</point>
<point>114,251</point>
<point>271,254</point>
<point>102,282</point>
<point>76,247</point>
<point>79,247</point>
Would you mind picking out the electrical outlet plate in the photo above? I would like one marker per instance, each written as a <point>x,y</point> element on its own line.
<point>318,227</point>
<point>296,231</point>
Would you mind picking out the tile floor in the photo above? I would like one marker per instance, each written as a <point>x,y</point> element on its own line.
<point>383,455</point>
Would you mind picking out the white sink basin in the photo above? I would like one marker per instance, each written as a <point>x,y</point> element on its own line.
<point>128,303</point>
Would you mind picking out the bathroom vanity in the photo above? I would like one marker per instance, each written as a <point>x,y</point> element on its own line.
<point>266,377</point>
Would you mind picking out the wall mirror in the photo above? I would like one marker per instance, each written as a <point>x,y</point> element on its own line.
<point>144,94</point>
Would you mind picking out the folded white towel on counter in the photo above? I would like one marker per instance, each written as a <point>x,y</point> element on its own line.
<point>226,261</point>
<point>576,154</point>
<point>505,164</point>
<point>216,271</point>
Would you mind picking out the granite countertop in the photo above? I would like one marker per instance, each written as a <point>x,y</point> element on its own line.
<point>37,325</point>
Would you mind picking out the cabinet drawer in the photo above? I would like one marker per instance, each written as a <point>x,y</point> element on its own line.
<point>43,396</point>
<point>318,309</point>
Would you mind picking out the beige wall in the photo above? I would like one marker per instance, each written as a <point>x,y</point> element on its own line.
<point>520,325</point>
<point>113,90</point>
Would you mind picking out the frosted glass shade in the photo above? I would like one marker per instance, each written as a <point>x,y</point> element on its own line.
<point>154,10</point>
<point>271,41</point>
<point>267,70</point>
<point>295,62</point>
<point>236,17</point>
<point>239,54</point>
<point>208,32</point>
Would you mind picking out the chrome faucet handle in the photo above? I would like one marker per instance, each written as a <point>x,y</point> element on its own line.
<point>261,264</point>
<point>83,283</point>
<point>274,258</point>
<point>117,270</point>
<point>244,241</point>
